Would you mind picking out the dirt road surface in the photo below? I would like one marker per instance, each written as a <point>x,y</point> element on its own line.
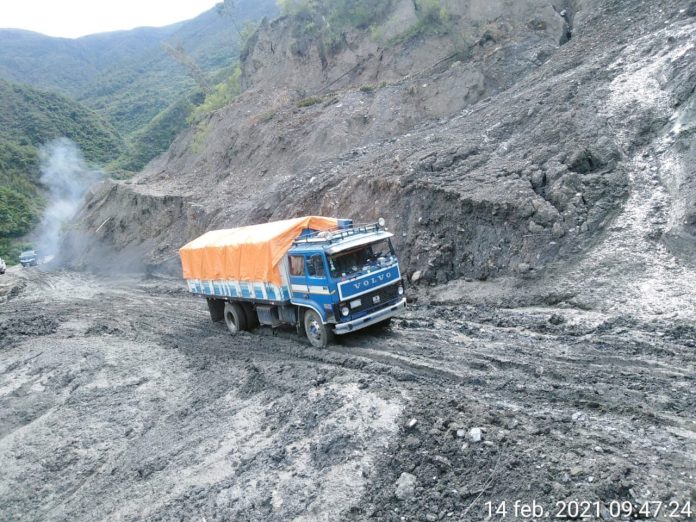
<point>120,400</point>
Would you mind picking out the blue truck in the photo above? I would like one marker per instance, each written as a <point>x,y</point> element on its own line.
<point>325,277</point>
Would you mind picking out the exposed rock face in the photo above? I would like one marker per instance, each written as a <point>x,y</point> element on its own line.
<point>495,151</point>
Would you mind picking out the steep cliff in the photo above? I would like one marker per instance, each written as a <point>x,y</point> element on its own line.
<point>497,140</point>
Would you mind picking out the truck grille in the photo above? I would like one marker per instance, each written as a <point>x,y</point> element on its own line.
<point>385,295</point>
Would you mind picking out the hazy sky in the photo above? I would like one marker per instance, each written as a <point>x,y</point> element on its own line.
<point>73,18</point>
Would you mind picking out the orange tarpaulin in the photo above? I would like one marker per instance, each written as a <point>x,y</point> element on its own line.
<point>250,253</point>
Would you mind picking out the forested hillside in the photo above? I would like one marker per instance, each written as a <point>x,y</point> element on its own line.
<point>70,65</point>
<point>145,81</point>
<point>30,118</point>
<point>121,96</point>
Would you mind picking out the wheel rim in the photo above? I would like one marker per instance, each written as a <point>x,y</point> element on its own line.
<point>314,329</point>
<point>229,319</point>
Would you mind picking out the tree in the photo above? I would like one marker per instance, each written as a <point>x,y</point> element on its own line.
<point>193,69</point>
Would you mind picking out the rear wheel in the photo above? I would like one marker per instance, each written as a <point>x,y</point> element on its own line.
<point>235,319</point>
<point>319,334</point>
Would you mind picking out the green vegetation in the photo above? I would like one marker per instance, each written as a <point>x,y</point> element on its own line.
<point>221,95</point>
<point>308,102</point>
<point>156,136</point>
<point>341,14</point>
<point>32,117</point>
<point>135,95</point>
<point>433,18</point>
<point>130,78</point>
<point>29,119</point>
<point>370,88</point>
<point>330,19</point>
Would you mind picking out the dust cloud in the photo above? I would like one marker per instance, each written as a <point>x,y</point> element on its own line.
<point>66,176</point>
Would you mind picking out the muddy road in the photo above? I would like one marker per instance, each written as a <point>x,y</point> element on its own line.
<point>120,400</point>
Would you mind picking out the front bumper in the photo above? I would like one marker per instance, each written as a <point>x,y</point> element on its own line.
<point>373,318</point>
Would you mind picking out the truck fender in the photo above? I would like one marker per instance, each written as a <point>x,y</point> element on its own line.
<point>303,306</point>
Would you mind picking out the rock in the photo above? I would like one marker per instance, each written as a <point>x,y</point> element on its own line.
<point>575,471</point>
<point>556,319</point>
<point>412,424</point>
<point>578,416</point>
<point>461,434</point>
<point>412,442</point>
<point>523,268</point>
<point>416,276</point>
<point>557,230</point>
<point>431,517</point>
<point>534,228</point>
<point>475,434</point>
<point>538,179</point>
<point>405,486</point>
<point>441,462</point>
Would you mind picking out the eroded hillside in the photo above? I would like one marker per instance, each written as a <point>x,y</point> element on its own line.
<point>495,145</point>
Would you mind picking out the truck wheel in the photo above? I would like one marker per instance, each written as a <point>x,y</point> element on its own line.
<point>319,334</point>
<point>252,320</point>
<point>235,318</point>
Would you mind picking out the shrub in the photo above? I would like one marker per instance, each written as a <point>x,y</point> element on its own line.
<point>329,19</point>
<point>18,213</point>
<point>308,102</point>
<point>222,95</point>
<point>433,18</point>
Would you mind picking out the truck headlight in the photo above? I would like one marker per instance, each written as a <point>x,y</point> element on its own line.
<point>401,290</point>
<point>345,311</point>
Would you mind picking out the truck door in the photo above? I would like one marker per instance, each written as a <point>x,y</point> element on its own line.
<point>318,285</point>
<point>317,281</point>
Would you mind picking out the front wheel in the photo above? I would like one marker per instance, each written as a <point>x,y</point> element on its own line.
<point>319,334</point>
<point>235,319</point>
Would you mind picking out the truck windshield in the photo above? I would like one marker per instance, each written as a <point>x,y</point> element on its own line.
<point>358,259</point>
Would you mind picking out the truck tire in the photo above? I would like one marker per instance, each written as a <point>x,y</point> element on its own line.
<point>252,320</point>
<point>235,319</point>
<point>216,307</point>
<point>318,334</point>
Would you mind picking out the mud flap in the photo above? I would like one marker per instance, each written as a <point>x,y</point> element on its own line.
<point>216,307</point>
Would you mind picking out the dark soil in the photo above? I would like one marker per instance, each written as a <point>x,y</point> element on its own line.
<point>121,399</point>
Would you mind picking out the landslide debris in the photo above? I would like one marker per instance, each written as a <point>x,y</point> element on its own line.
<point>138,407</point>
<point>494,147</point>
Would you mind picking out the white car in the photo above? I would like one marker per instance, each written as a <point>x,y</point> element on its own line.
<point>3,266</point>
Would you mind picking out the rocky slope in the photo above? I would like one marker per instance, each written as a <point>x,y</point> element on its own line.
<point>506,143</point>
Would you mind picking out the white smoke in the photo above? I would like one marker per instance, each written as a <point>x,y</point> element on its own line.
<point>66,177</point>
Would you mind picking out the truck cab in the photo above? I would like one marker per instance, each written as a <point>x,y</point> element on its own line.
<point>349,278</point>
